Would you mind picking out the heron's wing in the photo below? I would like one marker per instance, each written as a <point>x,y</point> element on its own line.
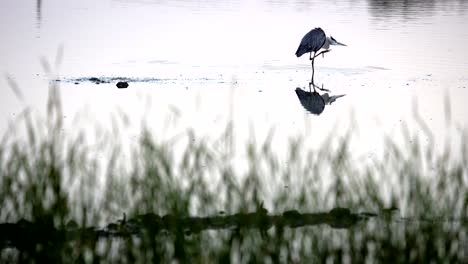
<point>312,102</point>
<point>311,42</point>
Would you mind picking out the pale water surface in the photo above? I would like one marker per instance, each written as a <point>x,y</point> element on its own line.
<point>207,62</point>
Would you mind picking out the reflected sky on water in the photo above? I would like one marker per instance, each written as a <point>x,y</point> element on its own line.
<point>211,61</point>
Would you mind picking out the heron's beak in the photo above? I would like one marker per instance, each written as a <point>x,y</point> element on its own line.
<point>340,44</point>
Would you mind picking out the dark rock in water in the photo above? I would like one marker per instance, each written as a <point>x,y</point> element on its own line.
<point>121,85</point>
<point>77,83</point>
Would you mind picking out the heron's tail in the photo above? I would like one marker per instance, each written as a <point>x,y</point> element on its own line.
<point>300,51</point>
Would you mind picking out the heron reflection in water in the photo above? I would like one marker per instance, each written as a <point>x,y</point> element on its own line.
<point>314,41</point>
<point>314,102</point>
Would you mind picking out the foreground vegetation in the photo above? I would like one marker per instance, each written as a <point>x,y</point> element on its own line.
<point>64,199</point>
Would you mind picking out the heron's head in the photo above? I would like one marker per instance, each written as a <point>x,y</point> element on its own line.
<point>333,41</point>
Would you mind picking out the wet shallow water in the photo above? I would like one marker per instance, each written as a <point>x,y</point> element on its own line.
<point>207,62</point>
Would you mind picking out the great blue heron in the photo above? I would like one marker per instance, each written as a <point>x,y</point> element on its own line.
<point>313,42</point>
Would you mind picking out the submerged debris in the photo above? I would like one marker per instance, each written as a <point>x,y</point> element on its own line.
<point>19,234</point>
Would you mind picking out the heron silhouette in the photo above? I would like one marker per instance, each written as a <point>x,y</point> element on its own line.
<point>313,41</point>
<point>314,102</point>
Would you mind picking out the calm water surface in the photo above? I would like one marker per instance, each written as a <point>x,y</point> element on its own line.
<point>207,62</point>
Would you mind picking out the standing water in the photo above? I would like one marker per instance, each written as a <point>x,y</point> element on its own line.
<point>213,61</point>
<point>192,67</point>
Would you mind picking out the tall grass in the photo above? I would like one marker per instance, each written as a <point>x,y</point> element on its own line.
<point>62,203</point>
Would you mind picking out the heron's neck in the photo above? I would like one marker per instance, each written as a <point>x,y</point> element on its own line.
<point>327,43</point>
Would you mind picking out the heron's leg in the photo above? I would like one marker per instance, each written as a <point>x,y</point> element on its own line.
<point>313,72</point>
<point>311,85</point>
<point>321,53</point>
<point>323,89</point>
<point>312,58</point>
